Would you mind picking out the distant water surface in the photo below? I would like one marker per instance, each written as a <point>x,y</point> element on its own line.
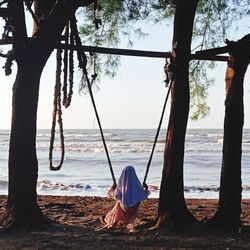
<point>86,171</point>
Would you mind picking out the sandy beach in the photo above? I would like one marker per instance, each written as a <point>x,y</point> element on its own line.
<point>78,219</point>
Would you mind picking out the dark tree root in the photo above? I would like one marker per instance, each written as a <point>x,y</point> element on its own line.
<point>164,220</point>
<point>185,221</point>
<point>223,222</point>
<point>33,219</point>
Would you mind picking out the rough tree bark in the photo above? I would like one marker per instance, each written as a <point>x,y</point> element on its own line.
<point>22,209</point>
<point>172,208</point>
<point>228,214</point>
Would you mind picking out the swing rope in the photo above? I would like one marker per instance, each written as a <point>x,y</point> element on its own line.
<point>156,137</point>
<point>82,59</point>
<point>100,127</point>
<point>89,85</point>
<point>169,70</point>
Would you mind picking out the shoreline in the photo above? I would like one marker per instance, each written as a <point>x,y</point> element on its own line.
<point>79,218</point>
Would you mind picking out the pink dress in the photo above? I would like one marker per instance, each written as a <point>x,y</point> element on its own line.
<point>121,215</point>
<point>128,195</point>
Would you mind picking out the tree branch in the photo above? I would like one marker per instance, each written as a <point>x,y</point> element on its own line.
<point>245,41</point>
<point>3,55</point>
<point>3,2</point>
<point>82,3</point>
<point>51,28</point>
<point>17,24</point>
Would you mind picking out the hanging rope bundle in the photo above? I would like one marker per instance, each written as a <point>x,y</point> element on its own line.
<point>71,72</point>
<point>57,114</point>
<point>65,64</point>
<point>68,70</point>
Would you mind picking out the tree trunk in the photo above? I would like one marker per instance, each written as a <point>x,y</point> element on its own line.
<point>22,210</point>
<point>172,207</point>
<point>228,214</point>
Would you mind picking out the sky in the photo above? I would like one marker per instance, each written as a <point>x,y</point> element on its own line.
<point>134,98</point>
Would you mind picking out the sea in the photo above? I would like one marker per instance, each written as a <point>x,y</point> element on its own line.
<point>85,171</point>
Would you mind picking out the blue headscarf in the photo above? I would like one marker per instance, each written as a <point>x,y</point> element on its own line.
<point>129,190</point>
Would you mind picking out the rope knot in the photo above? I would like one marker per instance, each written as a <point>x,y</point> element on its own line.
<point>94,76</point>
<point>169,70</point>
<point>7,66</point>
<point>98,14</point>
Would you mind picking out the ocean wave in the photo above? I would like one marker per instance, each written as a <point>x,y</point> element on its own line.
<point>153,188</point>
<point>210,188</point>
<point>75,135</point>
<point>3,184</point>
<point>50,185</point>
<point>43,135</point>
<point>92,144</point>
<point>195,189</point>
<point>113,148</point>
<point>47,185</point>
<point>220,141</point>
<point>160,141</point>
<point>61,188</point>
<point>214,135</point>
<point>244,141</point>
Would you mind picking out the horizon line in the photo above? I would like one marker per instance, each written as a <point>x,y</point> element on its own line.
<point>118,128</point>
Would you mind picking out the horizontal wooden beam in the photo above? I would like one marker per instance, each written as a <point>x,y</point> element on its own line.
<point>129,52</point>
<point>115,51</point>
<point>4,12</point>
<point>6,41</point>
<point>138,53</point>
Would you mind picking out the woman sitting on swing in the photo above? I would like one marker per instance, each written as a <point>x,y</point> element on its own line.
<point>128,195</point>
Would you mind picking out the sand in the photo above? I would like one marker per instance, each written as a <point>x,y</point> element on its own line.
<point>79,217</point>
